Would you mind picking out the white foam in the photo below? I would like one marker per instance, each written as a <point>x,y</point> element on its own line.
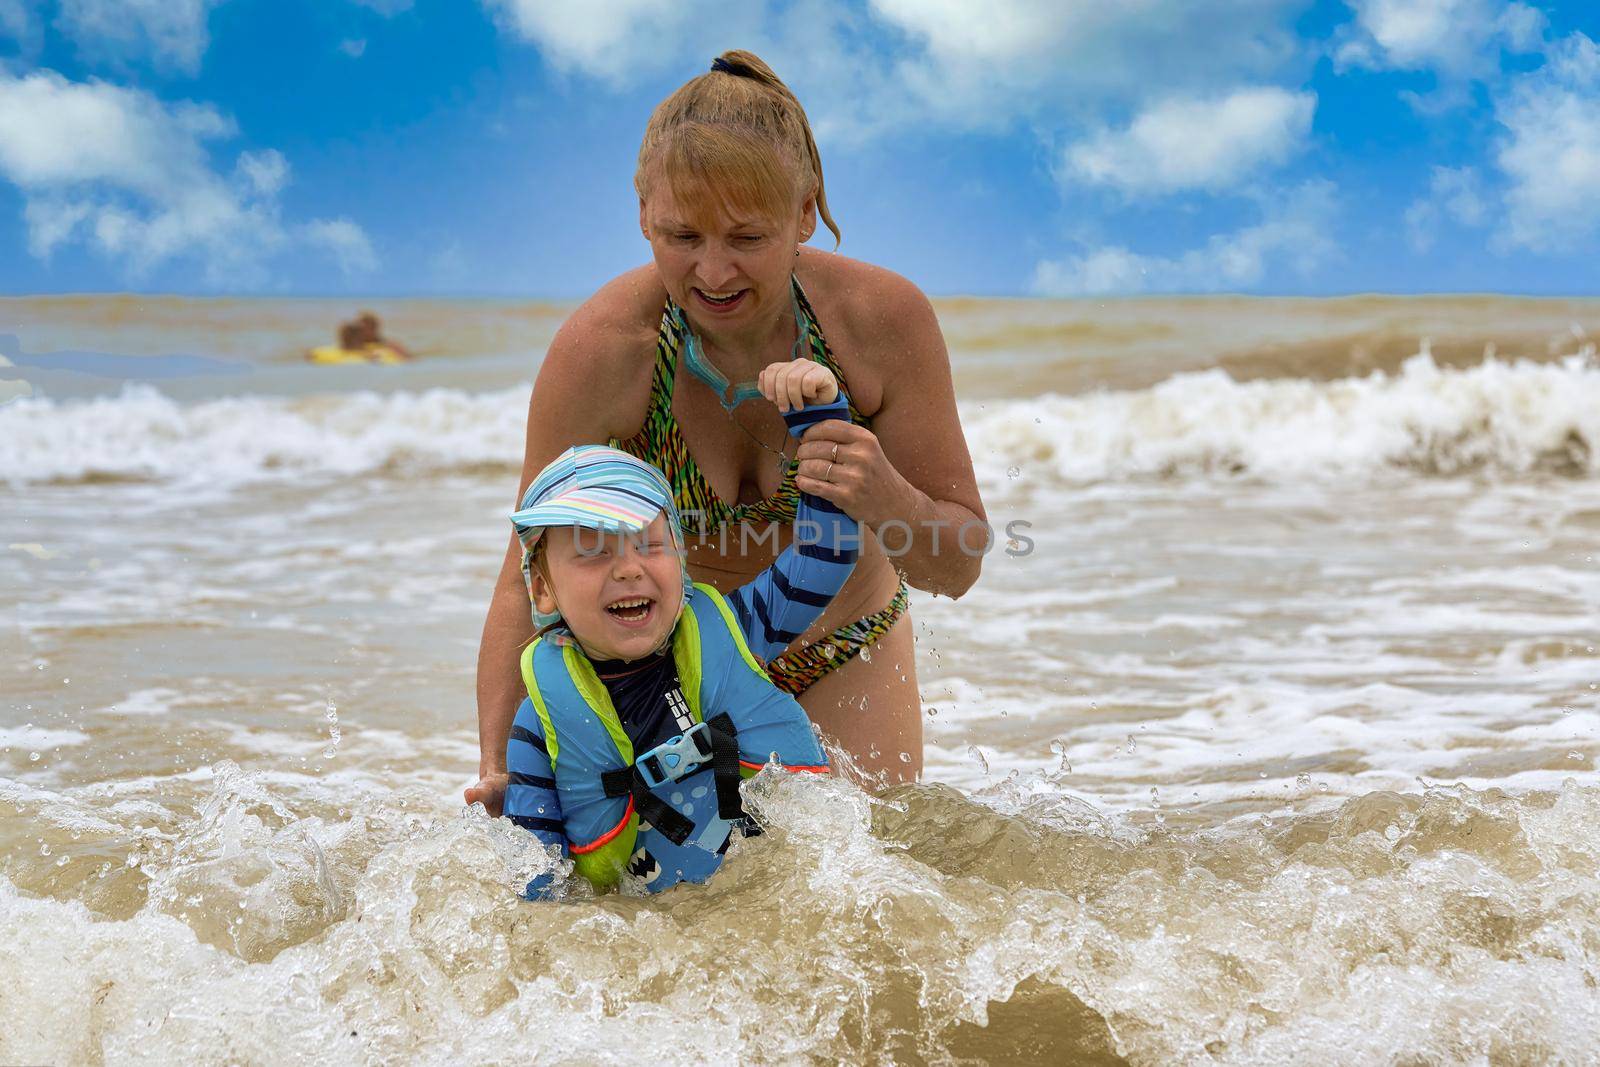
<point>1508,417</point>
<point>143,434</point>
<point>38,738</point>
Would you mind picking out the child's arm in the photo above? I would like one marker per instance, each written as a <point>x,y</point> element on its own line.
<point>531,800</point>
<point>782,601</point>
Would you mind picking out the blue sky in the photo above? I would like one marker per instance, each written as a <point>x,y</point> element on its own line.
<point>1059,147</point>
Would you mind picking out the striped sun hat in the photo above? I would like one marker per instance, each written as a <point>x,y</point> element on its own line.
<point>597,488</point>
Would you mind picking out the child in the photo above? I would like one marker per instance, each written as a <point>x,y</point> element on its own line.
<point>646,701</point>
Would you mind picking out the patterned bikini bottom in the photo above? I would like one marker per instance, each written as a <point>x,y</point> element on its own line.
<point>797,670</point>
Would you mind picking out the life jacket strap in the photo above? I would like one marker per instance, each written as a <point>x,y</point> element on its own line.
<point>725,766</point>
<point>627,781</point>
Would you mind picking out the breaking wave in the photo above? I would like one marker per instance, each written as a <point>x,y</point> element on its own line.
<point>1018,924</point>
<point>1510,418</point>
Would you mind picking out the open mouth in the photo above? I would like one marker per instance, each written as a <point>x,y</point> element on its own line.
<point>722,300</point>
<point>634,611</point>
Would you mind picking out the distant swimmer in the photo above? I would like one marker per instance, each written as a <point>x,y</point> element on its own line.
<point>361,340</point>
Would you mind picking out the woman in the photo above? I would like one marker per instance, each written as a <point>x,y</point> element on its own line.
<point>730,187</point>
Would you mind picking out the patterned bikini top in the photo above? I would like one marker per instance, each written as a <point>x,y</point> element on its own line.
<point>660,442</point>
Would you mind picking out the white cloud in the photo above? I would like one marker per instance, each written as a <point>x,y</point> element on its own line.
<point>1551,153</point>
<point>1454,193</point>
<point>131,177</point>
<point>1196,144</point>
<point>263,173</point>
<point>1459,39</point>
<point>347,241</point>
<point>984,65</point>
<point>614,40</point>
<point>960,64</point>
<point>171,33</point>
<point>1293,235</point>
<point>354,48</point>
<point>386,8</point>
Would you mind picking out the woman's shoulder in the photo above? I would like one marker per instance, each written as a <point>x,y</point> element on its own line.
<point>622,314</point>
<point>874,319</point>
<point>610,338</point>
<point>861,291</point>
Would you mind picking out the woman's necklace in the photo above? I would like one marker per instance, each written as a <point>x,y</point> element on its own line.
<point>782,454</point>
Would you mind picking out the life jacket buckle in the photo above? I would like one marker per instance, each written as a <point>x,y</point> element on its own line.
<point>676,757</point>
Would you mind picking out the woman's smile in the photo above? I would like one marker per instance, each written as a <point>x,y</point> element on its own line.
<point>720,301</point>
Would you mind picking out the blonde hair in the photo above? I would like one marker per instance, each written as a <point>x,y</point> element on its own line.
<point>734,136</point>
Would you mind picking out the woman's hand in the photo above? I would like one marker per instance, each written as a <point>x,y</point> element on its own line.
<point>490,791</point>
<point>794,383</point>
<point>844,463</point>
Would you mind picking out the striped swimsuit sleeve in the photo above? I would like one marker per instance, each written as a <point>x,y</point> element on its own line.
<point>782,601</point>
<point>531,800</point>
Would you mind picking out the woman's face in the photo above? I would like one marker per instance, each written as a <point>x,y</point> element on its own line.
<point>725,271</point>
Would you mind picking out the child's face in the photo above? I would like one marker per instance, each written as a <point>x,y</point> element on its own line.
<point>596,582</point>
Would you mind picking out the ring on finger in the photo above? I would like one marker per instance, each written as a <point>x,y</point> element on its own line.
<point>835,457</point>
<point>828,476</point>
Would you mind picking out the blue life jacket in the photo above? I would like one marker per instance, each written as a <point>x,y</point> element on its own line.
<point>657,822</point>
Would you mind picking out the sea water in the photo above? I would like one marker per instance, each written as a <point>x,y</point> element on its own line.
<point>1267,735</point>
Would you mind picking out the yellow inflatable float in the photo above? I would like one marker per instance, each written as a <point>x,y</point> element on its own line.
<point>378,353</point>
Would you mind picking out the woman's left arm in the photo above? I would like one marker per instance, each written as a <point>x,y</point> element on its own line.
<point>910,477</point>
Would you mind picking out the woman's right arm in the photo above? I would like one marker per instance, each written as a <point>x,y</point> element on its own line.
<point>594,384</point>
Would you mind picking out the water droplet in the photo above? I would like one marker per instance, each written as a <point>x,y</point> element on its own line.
<point>1059,749</point>
<point>1013,472</point>
<point>866,657</point>
<point>905,757</point>
<point>932,711</point>
<point>1575,755</point>
<point>1261,774</point>
<point>33,757</point>
<point>1391,832</point>
<point>1133,746</point>
<point>44,848</point>
<point>66,681</point>
<point>62,862</point>
<point>976,754</point>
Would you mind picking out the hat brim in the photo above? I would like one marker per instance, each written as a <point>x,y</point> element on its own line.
<point>575,510</point>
